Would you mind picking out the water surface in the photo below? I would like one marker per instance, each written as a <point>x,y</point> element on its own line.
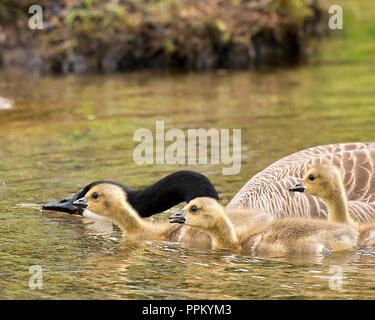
<point>64,132</point>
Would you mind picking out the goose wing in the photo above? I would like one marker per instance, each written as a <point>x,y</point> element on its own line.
<point>268,191</point>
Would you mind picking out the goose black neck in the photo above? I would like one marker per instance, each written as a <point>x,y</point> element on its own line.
<point>175,188</point>
<point>181,186</point>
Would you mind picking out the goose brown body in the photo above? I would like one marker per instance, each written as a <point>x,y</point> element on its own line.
<point>275,237</point>
<point>268,191</point>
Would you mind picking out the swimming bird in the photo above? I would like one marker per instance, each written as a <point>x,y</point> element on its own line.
<point>111,201</point>
<point>326,182</point>
<point>278,237</point>
<point>167,192</point>
<point>268,191</point>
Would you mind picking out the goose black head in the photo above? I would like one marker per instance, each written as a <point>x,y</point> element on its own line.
<point>165,193</point>
<point>66,205</point>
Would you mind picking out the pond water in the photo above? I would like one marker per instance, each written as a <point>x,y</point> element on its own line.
<point>63,132</point>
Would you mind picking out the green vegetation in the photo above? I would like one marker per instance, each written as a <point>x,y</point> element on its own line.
<point>189,34</point>
<point>355,42</point>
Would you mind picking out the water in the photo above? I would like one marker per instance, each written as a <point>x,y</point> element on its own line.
<point>64,132</point>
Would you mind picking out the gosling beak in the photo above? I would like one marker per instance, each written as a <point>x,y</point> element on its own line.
<point>65,205</point>
<point>297,187</point>
<point>177,217</point>
<point>81,203</point>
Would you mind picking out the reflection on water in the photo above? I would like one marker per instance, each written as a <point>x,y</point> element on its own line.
<point>63,133</point>
<point>5,103</point>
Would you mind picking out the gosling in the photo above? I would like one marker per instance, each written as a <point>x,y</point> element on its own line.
<point>326,182</point>
<point>272,238</point>
<point>110,201</point>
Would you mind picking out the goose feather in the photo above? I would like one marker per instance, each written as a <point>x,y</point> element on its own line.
<point>268,191</point>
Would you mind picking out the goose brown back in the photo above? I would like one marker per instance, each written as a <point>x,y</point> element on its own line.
<point>268,191</point>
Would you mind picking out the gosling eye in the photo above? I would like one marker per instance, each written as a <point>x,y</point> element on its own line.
<point>311,177</point>
<point>193,209</point>
<point>95,196</point>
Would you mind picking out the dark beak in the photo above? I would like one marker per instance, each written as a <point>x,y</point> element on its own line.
<point>65,205</point>
<point>81,203</point>
<point>177,217</point>
<point>297,187</point>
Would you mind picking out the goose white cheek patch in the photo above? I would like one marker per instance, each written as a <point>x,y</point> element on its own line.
<point>89,214</point>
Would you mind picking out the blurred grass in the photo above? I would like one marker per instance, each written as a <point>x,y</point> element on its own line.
<point>188,34</point>
<point>355,42</point>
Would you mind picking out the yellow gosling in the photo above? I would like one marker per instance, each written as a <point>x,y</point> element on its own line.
<point>110,201</point>
<point>326,182</point>
<point>276,238</point>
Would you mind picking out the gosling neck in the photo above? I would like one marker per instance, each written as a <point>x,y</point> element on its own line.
<point>128,220</point>
<point>223,235</point>
<point>338,207</point>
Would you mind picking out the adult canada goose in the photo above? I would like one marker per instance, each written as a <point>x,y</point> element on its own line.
<point>291,235</point>
<point>325,182</point>
<point>268,192</point>
<point>162,195</point>
<point>111,201</point>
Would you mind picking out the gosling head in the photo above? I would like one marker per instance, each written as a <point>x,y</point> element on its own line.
<point>201,213</point>
<point>103,199</point>
<point>322,181</point>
